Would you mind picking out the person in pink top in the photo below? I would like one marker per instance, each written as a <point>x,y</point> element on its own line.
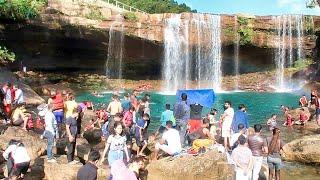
<point>119,171</point>
<point>128,118</point>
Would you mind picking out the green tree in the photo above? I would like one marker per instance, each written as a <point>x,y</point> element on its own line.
<point>21,9</point>
<point>159,6</point>
<point>6,56</point>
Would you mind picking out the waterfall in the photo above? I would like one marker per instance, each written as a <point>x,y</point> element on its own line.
<point>197,58</point>
<point>115,51</point>
<point>284,57</point>
<point>174,53</point>
<point>299,21</point>
<point>236,53</point>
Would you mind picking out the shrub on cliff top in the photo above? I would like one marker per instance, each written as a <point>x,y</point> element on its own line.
<point>130,16</point>
<point>6,55</point>
<point>21,9</point>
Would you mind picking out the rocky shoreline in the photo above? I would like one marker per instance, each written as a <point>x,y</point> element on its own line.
<point>44,81</point>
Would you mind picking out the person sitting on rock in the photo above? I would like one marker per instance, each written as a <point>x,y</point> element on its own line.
<point>20,158</point>
<point>201,133</point>
<point>289,119</point>
<point>89,170</point>
<point>19,117</point>
<point>169,143</point>
<point>304,116</point>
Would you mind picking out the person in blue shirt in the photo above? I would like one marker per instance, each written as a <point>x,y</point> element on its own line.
<point>140,134</point>
<point>240,117</point>
<point>181,112</point>
<point>125,103</point>
<point>166,115</point>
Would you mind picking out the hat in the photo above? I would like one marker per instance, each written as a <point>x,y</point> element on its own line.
<point>42,108</point>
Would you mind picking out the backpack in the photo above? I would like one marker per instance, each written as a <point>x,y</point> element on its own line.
<point>179,111</point>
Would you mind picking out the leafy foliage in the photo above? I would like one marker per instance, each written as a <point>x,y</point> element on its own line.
<point>130,16</point>
<point>245,30</point>
<point>6,55</point>
<point>302,63</point>
<point>95,14</point>
<point>159,6</point>
<point>21,9</point>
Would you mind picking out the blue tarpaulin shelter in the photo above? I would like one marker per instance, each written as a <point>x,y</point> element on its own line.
<point>205,97</point>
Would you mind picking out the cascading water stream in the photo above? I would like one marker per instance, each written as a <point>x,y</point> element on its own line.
<point>115,51</point>
<point>201,61</point>
<point>284,57</point>
<point>236,54</point>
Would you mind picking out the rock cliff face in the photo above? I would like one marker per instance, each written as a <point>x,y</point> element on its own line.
<point>75,35</point>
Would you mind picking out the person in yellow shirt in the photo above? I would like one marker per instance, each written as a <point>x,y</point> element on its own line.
<point>70,105</point>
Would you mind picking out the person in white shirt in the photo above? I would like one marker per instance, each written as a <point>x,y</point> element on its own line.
<point>226,120</point>
<point>170,142</point>
<point>20,158</point>
<point>235,136</point>
<point>19,99</point>
<point>50,130</point>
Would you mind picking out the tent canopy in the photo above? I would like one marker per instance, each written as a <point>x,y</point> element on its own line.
<point>205,97</point>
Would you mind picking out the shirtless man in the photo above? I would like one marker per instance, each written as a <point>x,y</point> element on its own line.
<point>18,117</point>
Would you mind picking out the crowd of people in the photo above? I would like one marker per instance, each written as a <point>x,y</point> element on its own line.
<point>124,127</point>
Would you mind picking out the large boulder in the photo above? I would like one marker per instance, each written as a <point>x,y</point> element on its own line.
<point>65,171</point>
<point>30,96</point>
<point>35,146</point>
<point>210,165</point>
<point>303,150</point>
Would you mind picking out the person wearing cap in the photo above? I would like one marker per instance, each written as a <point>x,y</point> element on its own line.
<point>242,157</point>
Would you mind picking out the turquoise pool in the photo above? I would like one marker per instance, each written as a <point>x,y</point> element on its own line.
<point>260,105</point>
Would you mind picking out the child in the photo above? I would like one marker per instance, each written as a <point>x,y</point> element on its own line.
<point>166,115</point>
<point>213,122</point>
<point>141,130</point>
<point>272,122</point>
<point>117,144</point>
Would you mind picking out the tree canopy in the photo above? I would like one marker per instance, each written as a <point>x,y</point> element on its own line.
<point>159,6</point>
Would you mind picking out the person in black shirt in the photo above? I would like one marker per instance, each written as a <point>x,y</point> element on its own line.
<point>89,170</point>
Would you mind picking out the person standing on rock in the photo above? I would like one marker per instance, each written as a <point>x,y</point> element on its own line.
<point>226,121</point>
<point>18,97</point>
<point>50,131</point>
<point>258,146</point>
<point>242,157</point>
<point>89,170</point>
<point>240,117</point>
<point>57,101</point>
<point>275,144</point>
<point>71,129</point>
<point>181,112</point>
